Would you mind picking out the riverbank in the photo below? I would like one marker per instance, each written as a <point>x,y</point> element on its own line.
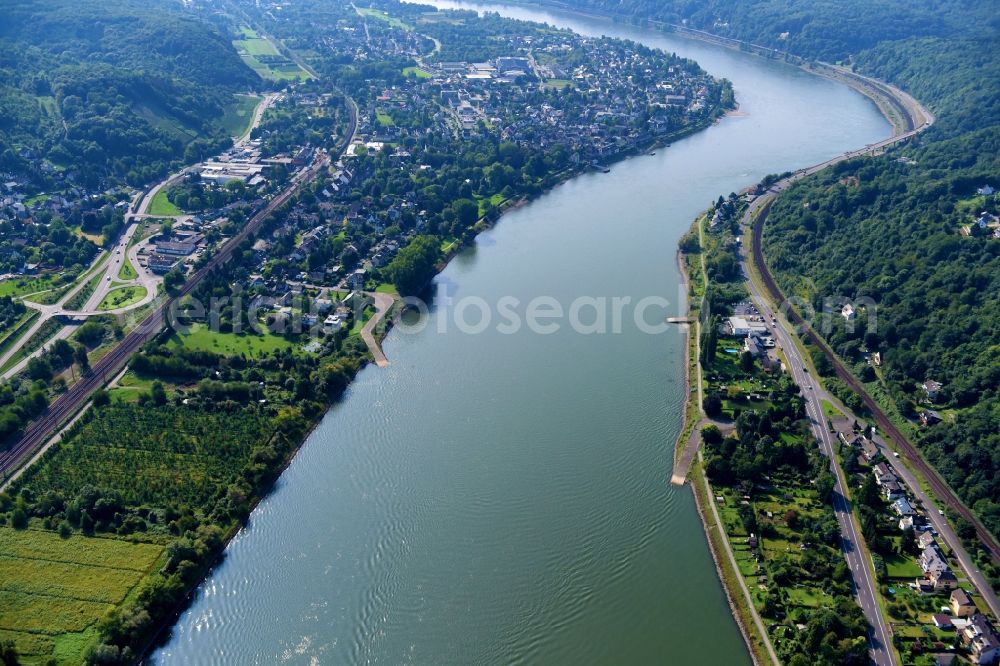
<point>373,473</point>
<point>692,331</point>
<point>906,117</point>
<point>688,464</point>
<point>902,111</point>
<point>374,332</point>
<point>737,596</point>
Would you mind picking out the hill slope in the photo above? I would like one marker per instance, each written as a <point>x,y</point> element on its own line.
<point>106,88</point>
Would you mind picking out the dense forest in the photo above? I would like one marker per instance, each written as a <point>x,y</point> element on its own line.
<point>111,89</point>
<point>831,31</point>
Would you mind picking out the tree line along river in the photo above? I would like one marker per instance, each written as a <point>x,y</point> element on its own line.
<point>495,497</point>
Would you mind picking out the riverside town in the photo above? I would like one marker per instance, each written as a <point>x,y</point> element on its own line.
<point>461,332</point>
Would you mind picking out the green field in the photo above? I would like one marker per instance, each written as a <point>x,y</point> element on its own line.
<point>256,46</point>
<point>239,114</point>
<point>417,72</point>
<point>54,591</point>
<point>127,271</point>
<point>129,387</point>
<point>384,119</point>
<point>201,338</point>
<point>122,297</point>
<point>21,286</point>
<point>496,200</point>
<point>831,411</point>
<point>263,57</point>
<point>371,12</point>
<point>902,566</point>
<point>558,84</point>
<point>161,205</point>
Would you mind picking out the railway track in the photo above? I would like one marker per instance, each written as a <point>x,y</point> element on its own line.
<point>68,404</point>
<point>939,487</point>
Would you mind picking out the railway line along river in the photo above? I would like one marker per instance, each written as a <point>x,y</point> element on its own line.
<point>494,497</point>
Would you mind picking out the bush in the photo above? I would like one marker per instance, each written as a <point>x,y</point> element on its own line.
<point>712,405</point>
<point>19,518</point>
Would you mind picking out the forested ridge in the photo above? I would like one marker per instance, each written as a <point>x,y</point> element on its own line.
<point>831,31</point>
<point>111,89</point>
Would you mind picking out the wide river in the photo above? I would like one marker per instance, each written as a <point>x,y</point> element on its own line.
<point>500,498</point>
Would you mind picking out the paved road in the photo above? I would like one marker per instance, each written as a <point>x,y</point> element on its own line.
<point>944,529</point>
<point>119,254</point>
<point>862,570</point>
<point>258,113</point>
<point>46,313</point>
<point>66,405</point>
<point>942,491</point>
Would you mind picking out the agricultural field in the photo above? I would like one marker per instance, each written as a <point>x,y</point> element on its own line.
<point>263,57</point>
<point>254,44</point>
<point>152,457</point>
<point>239,114</point>
<point>200,338</point>
<point>740,390</point>
<point>371,12</point>
<point>791,561</point>
<point>54,590</point>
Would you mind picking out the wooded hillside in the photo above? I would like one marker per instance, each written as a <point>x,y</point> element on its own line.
<point>105,88</point>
